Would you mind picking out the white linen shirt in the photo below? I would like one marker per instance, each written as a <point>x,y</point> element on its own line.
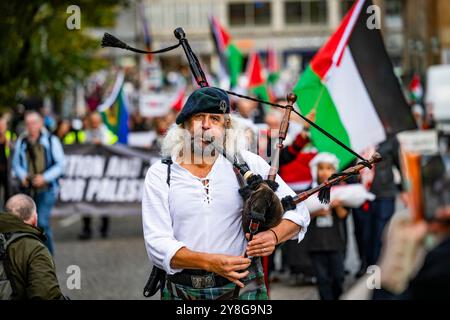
<point>202,218</point>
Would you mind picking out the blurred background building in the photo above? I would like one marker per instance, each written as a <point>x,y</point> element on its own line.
<point>427,33</point>
<point>416,32</point>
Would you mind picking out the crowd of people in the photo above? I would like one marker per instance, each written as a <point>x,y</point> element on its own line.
<point>31,151</point>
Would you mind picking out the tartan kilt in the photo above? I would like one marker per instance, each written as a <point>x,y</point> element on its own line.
<point>255,280</point>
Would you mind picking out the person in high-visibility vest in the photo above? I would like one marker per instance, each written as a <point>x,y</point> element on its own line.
<point>5,152</point>
<point>96,133</point>
<point>75,137</point>
<point>67,135</point>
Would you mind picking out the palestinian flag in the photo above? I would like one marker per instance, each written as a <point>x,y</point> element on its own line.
<point>416,89</point>
<point>272,67</point>
<point>114,111</point>
<point>351,85</point>
<point>256,81</point>
<point>230,56</point>
<point>178,102</point>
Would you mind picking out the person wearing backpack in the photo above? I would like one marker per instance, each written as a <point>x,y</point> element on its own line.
<point>27,270</point>
<point>38,162</point>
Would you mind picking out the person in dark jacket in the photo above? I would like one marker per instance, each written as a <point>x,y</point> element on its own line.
<point>31,268</point>
<point>371,219</point>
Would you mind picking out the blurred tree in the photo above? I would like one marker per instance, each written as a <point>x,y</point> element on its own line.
<point>41,55</point>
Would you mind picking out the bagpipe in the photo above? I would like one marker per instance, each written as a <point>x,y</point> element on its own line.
<point>262,208</point>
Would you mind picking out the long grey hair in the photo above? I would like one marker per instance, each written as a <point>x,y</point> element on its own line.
<point>178,138</point>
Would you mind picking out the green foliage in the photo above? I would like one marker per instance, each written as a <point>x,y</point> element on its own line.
<point>40,55</point>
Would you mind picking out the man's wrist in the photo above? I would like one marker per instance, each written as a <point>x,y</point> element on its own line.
<point>275,235</point>
<point>204,261</point>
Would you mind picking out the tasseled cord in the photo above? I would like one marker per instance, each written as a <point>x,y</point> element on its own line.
<point>325,192</point>
<point>324,195</point>
<point>111,41</point>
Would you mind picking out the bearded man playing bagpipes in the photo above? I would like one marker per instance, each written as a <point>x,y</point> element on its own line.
<point>204,203</point>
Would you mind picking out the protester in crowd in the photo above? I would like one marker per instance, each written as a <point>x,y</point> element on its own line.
<point>17,120</point>
<point>62,130</point>
<point>251,110</point>
<point>250,132</point>
<point>86,124</point>
<point>29,266</point>
<point>268,138</point>
<point>325,236</point>
<point>268,134</point>
<point>96,133</point>
<point>419,115</point>
<point>162,124</point>
<point>5,152</point>
<point>371,219</point>
<point>246,108</point>
<point>49,121</point>
<point>94,97</point>
<point>38,163</point>
<point>138,122</point>
<point>292,151</point>
<point>294,169</point>
<point>290,155</point>
<point>71,133</point>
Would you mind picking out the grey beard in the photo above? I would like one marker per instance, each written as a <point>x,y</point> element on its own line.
<point>200,151</point>
<point>196,148</point>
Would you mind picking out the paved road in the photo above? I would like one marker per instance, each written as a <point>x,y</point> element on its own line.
<point>118,267</point>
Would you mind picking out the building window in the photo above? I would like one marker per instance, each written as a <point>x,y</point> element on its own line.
<point>294,12</point>
<point>249,14</point>
<point>237,14</point>
<point>262,13</point>
<point>393,7</point>
<point>305,12</point>
<point>393,16</point>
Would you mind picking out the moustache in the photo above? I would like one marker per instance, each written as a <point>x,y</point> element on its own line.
<point>206,137</point>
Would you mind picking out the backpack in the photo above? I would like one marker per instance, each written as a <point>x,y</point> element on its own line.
<point>7,288</point>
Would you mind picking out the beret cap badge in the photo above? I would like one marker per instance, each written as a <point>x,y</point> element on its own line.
<point>223,106</point>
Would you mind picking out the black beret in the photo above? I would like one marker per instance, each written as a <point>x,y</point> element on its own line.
<point>205,100</point>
